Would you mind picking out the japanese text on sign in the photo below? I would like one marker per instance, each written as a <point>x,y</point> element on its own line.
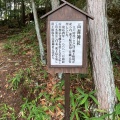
<point>66,41</point>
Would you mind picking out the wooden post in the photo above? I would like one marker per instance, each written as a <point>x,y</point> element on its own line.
<point>67,96</point>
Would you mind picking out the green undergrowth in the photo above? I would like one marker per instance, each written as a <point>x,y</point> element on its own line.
<point>23,42</point>
<point>7,112</point>
<point>42,95</point>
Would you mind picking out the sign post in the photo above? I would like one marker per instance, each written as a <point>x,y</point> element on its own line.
<point>67,44</point>
<point>67,96</point>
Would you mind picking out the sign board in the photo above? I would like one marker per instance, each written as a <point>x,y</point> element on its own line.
<point>66,43</point>
<point>67,39</point>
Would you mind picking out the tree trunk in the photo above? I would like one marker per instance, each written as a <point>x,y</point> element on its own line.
<point>0,9</point>
<point>23,13</point>
<point>38,32</point>
<point>55,4</point>
<point>5,9</point>
<point>46,6</point>
<point>101,57</point>
<point>10,9</point>
<point>14,9</point>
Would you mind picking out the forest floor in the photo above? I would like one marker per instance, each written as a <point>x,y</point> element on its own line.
<point>7,67</point>
<point>10,63</point>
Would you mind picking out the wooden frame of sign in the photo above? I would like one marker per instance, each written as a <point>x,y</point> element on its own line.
<point>67,16</point>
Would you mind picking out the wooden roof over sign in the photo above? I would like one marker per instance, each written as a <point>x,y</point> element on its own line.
<point>66,3</point>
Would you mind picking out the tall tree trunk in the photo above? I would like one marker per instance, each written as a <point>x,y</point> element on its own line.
<point>46,6</point>
<point>55,4</point>
<point>10,17</point>
<point>6,9</point>
<point>38,32</point>
<point>101,57</point>
<point>18,4</point>
<point>0,9</point>
<point>14,9</point>
<point>23,13</point>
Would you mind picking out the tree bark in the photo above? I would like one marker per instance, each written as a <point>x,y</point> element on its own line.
<point>55,4</point>
<point>14,9</point>
<point>23,13</point>
<point>101,57</point>
<point>6,10</point>
<point>10,9</point>
<point>0,10</point>
<point>38,32</point>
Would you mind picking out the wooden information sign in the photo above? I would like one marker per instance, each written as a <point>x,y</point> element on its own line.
<point>67,39</point>
<point>67,44</point>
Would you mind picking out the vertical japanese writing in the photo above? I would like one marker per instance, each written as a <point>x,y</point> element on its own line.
<point>73,48</point>
<point>60,42</point>
<point>52,38</point>
<point>66,42</point>
<point>78,34</point>
<point>70,42</point>
<point>63,43</point>
<point>56,43</point>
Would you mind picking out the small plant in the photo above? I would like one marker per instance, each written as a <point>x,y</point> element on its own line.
<point>115,57</point>
<point>16,80</point>
<point>116,113</point>
<point>7,112</point>
<point>116,72</point>
<point>30,110</point>
<point>44,74</point>
<point>34,61</point>
<point>59,85</point>
<point>80,103</point>
<point>10,45</point>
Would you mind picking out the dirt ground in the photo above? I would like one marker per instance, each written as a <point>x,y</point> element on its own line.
<point>8,64</point>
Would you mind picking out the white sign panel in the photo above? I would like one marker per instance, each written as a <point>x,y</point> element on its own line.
<point>66,43</point>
